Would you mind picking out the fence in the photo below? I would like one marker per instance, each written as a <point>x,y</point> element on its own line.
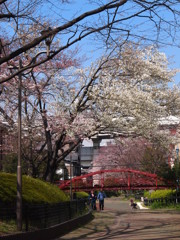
<point>163,201</point>
<point>38,216</point>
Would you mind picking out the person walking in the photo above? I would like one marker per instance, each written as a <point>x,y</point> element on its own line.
<point>100,197</point>
<point>92,198</point>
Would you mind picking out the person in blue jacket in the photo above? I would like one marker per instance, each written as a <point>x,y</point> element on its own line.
<point>100,197</point>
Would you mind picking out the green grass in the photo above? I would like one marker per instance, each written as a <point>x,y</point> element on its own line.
<point>33,190</point>
<point>7,227</point>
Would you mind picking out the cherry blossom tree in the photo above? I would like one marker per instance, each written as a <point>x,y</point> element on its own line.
<point>132,97</point>
<point>53,124</point>
<point>133,92</point>
<point>123,153</point>
<point>126,92</point>
<point>131,153</point>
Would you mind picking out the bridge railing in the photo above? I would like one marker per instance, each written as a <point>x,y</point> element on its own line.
<point>115,179</point>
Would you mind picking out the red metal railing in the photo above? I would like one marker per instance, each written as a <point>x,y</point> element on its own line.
<point>114,179</point>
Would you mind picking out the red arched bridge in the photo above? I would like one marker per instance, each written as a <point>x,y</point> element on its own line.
<point>115,179</point>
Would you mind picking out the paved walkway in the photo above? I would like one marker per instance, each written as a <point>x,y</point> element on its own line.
<point>118,221</point>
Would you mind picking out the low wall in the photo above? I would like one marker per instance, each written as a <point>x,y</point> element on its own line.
<point>52,232</point>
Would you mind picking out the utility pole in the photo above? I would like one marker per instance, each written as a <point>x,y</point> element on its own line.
<point>71,176</point>
<point>177,174</point>
<point>19,168</point>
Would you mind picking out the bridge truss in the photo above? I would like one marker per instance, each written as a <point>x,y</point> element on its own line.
<point>115,179</point>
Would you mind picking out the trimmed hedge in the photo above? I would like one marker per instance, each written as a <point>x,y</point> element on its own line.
<point>82,195</point>
<point>167,193</point>
<point>33,190</point>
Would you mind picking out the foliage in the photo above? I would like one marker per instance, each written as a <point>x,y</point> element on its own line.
<point>8,227</point>
<point>160,205</point>
<point>33,190</point>
<point>82,195</point>
<point>154,159</point>
<point>162,199</point>
<point>113,193</point>
<point>170,174</point>
<point>147,194</point>
<point>9,163</point>
<point>157,205</point>
<point>160,194</point>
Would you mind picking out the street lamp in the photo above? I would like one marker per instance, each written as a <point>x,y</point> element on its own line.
<point>48,41</point>
<point>177,173</point>
<point>19,168</point>
<point>71,176</point>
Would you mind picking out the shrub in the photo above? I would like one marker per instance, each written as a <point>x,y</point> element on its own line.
<point>162,193</point>
<point>113,193</point>
<point>82,195</point>
<point>33,190</point>
<point>157,205</point>
<point>147,194</point>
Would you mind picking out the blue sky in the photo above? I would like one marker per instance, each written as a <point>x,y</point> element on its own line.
<point>175,53</point>
<point>92,50</point>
